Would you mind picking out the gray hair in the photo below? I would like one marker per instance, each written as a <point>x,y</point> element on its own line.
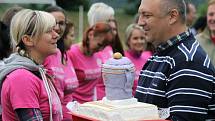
<point>180,5</point>
<point>30,22</point>
<point>99,12</point>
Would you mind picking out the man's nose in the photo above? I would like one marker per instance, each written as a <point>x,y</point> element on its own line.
<point>213,17</point>
<point>141,21</point>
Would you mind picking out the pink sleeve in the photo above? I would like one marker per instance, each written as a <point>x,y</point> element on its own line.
<point>70,53</point>
<point>24,91</point>
<point>67,98</point>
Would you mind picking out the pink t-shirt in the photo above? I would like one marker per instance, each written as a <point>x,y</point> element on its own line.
<point>139,62</point>
<point>104,55</point>
<point>88,71</point>
<point>65,79</point>
<point>22,89</point>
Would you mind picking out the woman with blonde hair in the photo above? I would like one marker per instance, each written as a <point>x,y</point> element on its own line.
<point>27,91</point>
<point>137,49</point>
<point>59,64</point>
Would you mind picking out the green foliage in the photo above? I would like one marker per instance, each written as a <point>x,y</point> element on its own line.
<point>201,6</point>
<point>202,9</point>
<point>198,2</point>
<point>131,7</point>
<point>73,4</point>
<point>35,6</point>
<point>5,6</point>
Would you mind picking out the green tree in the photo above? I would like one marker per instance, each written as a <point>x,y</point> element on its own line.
<point>202,9</point>
<point>131,7</point>
<point>73,4</point>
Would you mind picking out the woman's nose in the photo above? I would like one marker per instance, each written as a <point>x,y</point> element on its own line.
<point>57,28</point>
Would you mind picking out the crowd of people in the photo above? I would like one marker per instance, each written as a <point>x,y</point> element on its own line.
<point>42,69</point>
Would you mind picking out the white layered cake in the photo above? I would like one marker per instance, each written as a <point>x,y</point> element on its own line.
<point>118,110</point>
<point>118,105</point>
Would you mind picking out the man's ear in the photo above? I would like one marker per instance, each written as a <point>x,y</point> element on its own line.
<point>174,16</point>
<point>27,40</point>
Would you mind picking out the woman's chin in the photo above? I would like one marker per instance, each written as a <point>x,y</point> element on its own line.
<point>53,51</point>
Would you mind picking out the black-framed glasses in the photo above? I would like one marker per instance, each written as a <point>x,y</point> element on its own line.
<point>61,23</point>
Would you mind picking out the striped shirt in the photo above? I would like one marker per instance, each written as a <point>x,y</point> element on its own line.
<point>179,77</point>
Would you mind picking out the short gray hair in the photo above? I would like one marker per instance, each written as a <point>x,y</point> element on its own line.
<point>99,12</point>
<point>180,5</point>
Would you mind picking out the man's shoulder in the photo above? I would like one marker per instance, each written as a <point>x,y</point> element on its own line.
<point>190,52</point>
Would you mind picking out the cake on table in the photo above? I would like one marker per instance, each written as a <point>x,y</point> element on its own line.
<point>124,110</point>
<point>118,105</point>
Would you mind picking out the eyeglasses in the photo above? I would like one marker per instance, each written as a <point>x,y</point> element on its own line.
<point>61,23</point>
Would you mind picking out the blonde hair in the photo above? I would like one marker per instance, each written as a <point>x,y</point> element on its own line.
<point>30,22</point>
<point>210,2</point>
<point>99,12</point>
<point>129,31</point>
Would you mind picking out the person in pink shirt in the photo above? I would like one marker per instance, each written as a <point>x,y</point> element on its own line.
<point>105,54</point>
<point>86,63</point>
<point>101,12</point>
<point>136,52</point>
<point>69,35</point>
<point>27,91</point>
<point>115,44</point>
<point>65,79</point>
<point>59,65</point>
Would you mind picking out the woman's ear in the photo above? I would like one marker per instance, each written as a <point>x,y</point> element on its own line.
<point>90,34</point>
<point>27,40</point>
